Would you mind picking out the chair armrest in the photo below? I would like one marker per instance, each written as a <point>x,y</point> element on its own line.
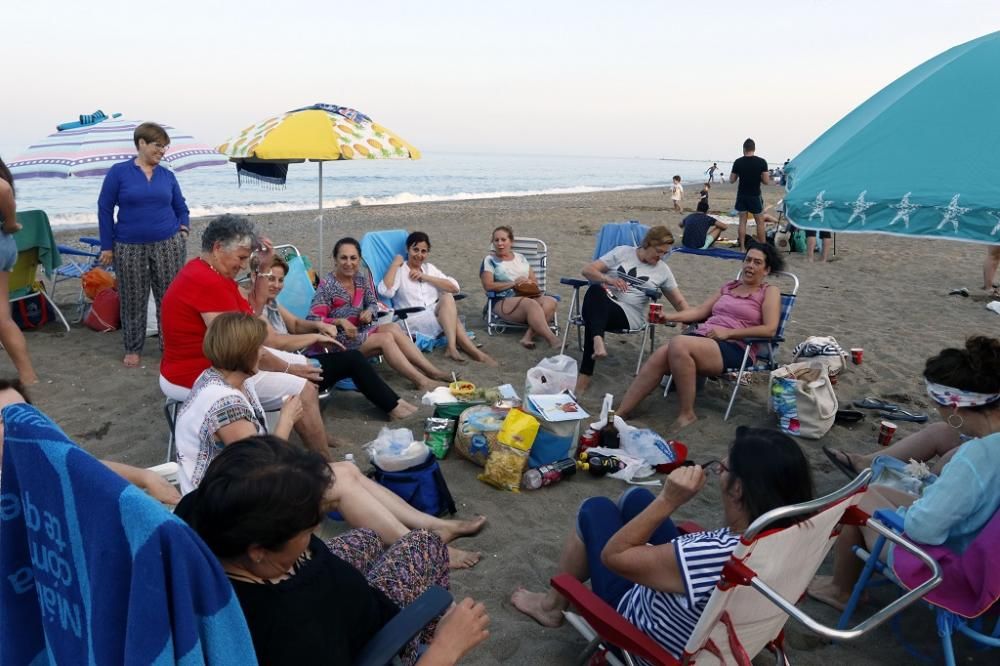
<point>777,338</point>
<point>890,519</point>
<point>75,252</point>
<point>401,629</point>
<point>93,242</point>
<point>491,294</point>
<point>403,313</point>
<point>576,283</point>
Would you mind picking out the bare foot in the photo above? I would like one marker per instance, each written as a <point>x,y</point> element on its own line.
<point>429,385</point>
<point>600,351</point>
<point>462,559</point>
<point>824,591</point>
<point>455,356</point>
<point>582,384</point>
<point>453,529</point>
<point>28,380</point>
<point>527,344</point>
<point>487,359</point>
<point>535,606</point>
<point>131,361</point>
<point>443,376</point>
<point>682,421</point>
<point>402,410</point>
<point>335,442</point>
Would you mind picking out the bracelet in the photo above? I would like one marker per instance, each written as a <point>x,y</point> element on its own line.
<point>288,366</point>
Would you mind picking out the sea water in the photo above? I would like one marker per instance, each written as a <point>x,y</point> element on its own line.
<point>72,202</point>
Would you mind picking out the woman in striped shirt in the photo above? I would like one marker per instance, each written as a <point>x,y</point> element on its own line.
<point>636,560</point>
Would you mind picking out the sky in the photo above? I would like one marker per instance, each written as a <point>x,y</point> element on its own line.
<point>625,79</point>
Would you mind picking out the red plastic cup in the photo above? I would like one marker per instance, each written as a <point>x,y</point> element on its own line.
<point>655,313</point>
<point>886,430</point>
<point>857,354</point>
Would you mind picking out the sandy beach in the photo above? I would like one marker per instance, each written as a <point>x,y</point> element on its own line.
<point>887,295</point>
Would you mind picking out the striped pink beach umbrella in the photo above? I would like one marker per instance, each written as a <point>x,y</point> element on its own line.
<point>91,149</point>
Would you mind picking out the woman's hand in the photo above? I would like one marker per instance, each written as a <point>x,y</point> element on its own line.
<point>462,628</point>
<point>306,371</point>
<point>11,227</point>
<point>350,330</point>
<point>717,333</point>
<point>325,340</point>
<point>416,275</point>
<point>617,283</point>
<point>365,317</point>
<point>291,409</point>
<point>265,254</point>
<point>159,489</point>
<point>520,280</point>
<point>324,328</point>
<point>397,262</point>
<point>683,484</point>
<point>107,256</point>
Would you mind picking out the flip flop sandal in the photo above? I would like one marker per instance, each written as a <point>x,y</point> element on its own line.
<point>848,416</point>
<point>875,403</point>
<point>846,467</point>
<point>959,292</point>
<point>903,415</point>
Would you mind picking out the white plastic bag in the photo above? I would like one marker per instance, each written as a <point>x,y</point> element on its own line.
<point>396,450</point>
<point>645,444</point>
<point>554,374</point>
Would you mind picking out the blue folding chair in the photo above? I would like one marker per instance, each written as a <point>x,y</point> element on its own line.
<point>76,262</point>
<point>767,348</point>
<point>378,250</point>
<point>611,235</point>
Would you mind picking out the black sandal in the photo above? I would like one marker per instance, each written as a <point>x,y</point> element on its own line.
<point>846,467</point>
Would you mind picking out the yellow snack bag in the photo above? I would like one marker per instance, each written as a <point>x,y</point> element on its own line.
<point>509,457</point>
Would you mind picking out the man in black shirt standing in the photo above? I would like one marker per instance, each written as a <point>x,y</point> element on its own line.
<point>751,171</point>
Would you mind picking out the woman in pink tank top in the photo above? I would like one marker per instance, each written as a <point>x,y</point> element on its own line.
<point>747,307</point>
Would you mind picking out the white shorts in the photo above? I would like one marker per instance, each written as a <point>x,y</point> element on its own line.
<point>271,387</point>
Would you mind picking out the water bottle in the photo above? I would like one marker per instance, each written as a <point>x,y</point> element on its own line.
<point>546,475</point>
<point>349,457</point>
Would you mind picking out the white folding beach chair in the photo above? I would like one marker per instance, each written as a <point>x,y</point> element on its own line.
<point>537,254</point>
<point>760,584</point>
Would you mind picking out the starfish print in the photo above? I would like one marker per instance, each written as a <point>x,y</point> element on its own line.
<point>995,214</point>
<point>951,213</point>
<point>819,206</point>
<point>858,208</point>
<point>903,210</point>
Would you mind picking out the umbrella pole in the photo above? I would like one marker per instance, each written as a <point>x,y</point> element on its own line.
<point>321,250</point>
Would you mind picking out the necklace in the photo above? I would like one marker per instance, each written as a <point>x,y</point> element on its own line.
<point>209,264</point>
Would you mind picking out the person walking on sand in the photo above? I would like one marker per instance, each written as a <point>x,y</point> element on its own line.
<point>10,334</point>
<point>711,171</point>
<point>750,171</point>
<point>677,193</point>
<point>990,271</point>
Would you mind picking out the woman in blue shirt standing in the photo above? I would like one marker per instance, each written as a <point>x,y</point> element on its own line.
<point>147,242</point>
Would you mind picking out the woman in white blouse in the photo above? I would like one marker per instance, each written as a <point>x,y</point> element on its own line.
<point>415,282</point>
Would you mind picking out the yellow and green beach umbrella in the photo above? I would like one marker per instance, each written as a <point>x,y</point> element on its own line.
<point>317,133</point>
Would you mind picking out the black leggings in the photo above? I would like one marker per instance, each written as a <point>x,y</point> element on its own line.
<point>599,314</point>
<point>353,364</point>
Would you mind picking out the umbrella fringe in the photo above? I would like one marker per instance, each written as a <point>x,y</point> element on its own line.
<point>274,179</point>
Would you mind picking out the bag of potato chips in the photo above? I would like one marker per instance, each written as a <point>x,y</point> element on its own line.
<point>509,457</point>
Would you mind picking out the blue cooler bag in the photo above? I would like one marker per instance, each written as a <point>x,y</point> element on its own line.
<point>422,486</point>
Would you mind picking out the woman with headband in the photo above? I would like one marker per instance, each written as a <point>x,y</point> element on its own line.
<point>964,385</point>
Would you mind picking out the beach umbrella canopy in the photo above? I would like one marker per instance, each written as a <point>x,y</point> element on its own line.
<point>91,148</point>
<point>919,158</point>
<point>317,133</point>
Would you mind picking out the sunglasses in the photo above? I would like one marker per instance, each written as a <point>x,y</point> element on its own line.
<point>716,467</point>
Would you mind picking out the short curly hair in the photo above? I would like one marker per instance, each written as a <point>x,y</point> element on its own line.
<point>230,231</point>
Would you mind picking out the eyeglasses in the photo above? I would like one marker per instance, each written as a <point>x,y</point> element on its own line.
<point>716,467</point>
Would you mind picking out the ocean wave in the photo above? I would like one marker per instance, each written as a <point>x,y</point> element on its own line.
<point>83,220</point>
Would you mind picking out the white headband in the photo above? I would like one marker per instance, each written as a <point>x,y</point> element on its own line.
<point>948,396</point>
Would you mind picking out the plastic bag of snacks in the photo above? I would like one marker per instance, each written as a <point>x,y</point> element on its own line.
<point>477,430</point>
<point>509,457</point>
<point>438,434</point>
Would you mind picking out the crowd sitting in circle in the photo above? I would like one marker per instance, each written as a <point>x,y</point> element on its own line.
<point>205,288</point>
<point>636,560</point>
<point>618,296</point>
<point>307,601</point>
<point>147,240</point>
<point>223,408</point>
<point>289,333</point>
<point>509,274</point>
<point>346,298</point>
<point>415,282</point>
<point>964,385</point>
<point>743,308</point>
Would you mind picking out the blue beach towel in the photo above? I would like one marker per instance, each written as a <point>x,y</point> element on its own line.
<point>94,571</point>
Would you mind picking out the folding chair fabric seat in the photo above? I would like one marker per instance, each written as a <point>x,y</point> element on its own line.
<point>76,263</point>
<point>35,247</point>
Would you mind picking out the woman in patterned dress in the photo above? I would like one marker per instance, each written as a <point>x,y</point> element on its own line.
<point>346,299</point>
<point>307,601</point>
